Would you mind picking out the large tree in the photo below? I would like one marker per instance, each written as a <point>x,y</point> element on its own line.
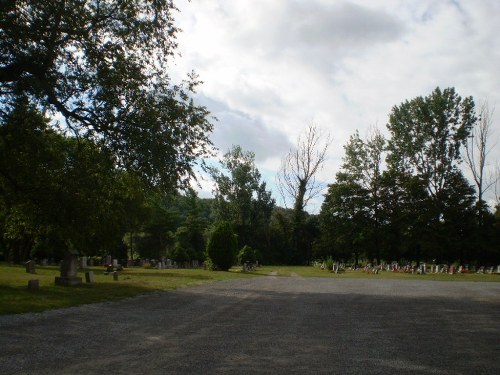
<point>102,68</point>
<point>241,197</point>
<point>297,181</point>
<point>427,134</point>
<point>57,192</point>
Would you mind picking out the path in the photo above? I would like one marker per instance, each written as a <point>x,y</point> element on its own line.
<point>268,325</point>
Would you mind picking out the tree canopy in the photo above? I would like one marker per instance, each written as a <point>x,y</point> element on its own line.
<point>102,68</point>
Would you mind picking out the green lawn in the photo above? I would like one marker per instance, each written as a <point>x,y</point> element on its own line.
<point>15,297</point>
<point>308,271</point>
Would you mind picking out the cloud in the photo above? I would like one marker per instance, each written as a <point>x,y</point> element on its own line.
<point>234,127</point>
<point>272,67</point>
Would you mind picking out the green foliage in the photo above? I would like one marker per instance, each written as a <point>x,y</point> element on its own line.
<point>222,246</point>
<point>329,263</point>
<point>241,198</point>
<point>247,254</point>
<point>421,207</point>
<point>101,66</point>
<point>56,192</point>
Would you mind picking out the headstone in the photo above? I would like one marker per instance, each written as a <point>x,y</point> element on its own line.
<point>69,269</point>
<point>108,259</point>
<point>115,262</point>
<point>91,262</point>
<point>498,269</point>
<point>30,266</point>
<point>89,277</point>
<point>115,276</point>
<point>45,261</point>
<point>33,284</point>
<point>83,262</point>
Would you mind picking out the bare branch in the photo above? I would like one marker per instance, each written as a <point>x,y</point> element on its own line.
<point>477,150</point>
<point>296,177</point>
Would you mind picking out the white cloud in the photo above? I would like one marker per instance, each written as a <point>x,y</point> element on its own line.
<point>272,67</point>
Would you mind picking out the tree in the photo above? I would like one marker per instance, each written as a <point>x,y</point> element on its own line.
<point>297,178</point>
<point>222,246</point>
<point>362,168</point>
<point>424,151</point>
<point>477,150</point>
<point>241,197</point>
<point>427,134</point>
<point>51,184</point>
<point>101,66</point>
<point>343,219</point>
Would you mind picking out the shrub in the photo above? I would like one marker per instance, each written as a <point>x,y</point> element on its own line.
<point>222,246</point>
<point>329,263</point>
<point>247,254</point>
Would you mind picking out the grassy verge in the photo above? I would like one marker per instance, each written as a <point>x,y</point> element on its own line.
<point>306,271</point>
<point>15,297</point>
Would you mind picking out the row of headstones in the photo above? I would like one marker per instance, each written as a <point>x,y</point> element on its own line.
<point>436,268</point>
<point>168,263</point>
<point>69,273</point>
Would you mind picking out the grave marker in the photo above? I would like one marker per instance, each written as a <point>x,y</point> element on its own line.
<point>89,277</point>
<point>33,284</point>
<point>83,262</point>
<point>69,269</point>
<point>30,266</point>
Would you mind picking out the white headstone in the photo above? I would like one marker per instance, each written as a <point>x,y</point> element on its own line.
<point>115,262</point>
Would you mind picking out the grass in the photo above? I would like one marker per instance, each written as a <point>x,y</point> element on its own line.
<point>15,297</point>
<point>308,271</point>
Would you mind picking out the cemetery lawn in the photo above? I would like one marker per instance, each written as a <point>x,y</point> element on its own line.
<point>309,271</point>
<point>15,297</point>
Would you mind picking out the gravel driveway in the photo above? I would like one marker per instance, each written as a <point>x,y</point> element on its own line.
<point>268,325</point>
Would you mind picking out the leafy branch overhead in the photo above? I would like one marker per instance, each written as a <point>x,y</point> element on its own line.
<point>102,67</point>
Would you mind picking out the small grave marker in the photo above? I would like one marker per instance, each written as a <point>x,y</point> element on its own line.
<point>33,284</point>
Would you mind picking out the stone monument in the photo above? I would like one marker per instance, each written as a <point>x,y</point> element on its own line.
<point>69,269</point>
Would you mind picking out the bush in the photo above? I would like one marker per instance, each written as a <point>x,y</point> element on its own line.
<point>247,254</point>
<point>222,246</point>
<point>329,263</point>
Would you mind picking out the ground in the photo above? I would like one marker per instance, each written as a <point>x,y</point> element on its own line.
<point>268,325</point>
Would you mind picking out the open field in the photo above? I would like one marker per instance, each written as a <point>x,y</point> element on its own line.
<point>16,298</point>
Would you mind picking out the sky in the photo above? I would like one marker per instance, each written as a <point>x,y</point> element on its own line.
<point>272,67</point>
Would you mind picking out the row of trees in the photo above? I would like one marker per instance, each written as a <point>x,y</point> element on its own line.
<point>96,142</point>
<point>406,197</point>
<point>400,198</point>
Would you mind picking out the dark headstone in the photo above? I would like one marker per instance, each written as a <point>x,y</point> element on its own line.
<point>30,266</point>
<point>33,284</point>
<point>115,276</point>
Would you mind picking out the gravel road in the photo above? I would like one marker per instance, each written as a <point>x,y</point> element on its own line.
<point>268,325</point>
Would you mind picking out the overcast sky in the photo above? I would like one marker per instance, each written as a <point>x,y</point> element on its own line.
<point>271,67</point>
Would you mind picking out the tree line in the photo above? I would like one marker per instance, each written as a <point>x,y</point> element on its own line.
<point>98,149</point>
